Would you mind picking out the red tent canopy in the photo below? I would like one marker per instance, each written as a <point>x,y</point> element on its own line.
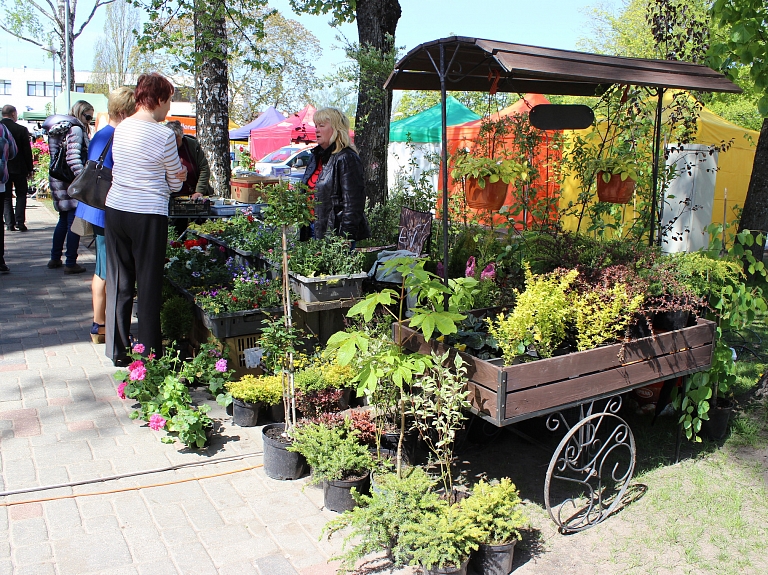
<point>298,127</point>
<point>466,136</point>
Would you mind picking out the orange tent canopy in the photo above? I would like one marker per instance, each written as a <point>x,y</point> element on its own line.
<point>466,136</point>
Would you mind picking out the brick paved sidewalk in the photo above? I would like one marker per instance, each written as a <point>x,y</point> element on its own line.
<point>61,421</point>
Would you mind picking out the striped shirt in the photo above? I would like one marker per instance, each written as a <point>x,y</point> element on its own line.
<point>146,163</point>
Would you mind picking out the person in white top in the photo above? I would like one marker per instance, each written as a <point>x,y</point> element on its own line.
<point>146,171</point>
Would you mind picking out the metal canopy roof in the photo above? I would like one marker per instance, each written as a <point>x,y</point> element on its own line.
<point>474,63</point>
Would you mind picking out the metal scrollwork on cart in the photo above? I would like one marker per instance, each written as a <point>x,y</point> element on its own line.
<point>591,468</point>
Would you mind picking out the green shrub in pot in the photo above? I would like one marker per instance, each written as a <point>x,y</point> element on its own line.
<point>441,538</point>
<point>265,389</point>
<point>374,525</point>
<point>334,453</point>
<point>496,509</point>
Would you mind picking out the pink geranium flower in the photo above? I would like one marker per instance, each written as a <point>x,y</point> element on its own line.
<point>139,348</point>
<point>151,356</point>
<point>489,272</point>
<point>221,365</point>
<point>470,271</point>
<point>136,364</point>
<point>138,374</point>
<point>121,389</point>
<point>157,422</point>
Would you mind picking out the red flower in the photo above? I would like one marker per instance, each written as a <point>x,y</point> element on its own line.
<point>202,242</point>
<point>250,218</point>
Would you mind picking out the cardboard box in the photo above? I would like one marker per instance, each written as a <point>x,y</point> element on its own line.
<point>248,190</point>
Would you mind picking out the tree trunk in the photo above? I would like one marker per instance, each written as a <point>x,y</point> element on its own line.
<point>755,214</point>
<point>376,24</point>
<point>211,87</point>
<point>64,50</point>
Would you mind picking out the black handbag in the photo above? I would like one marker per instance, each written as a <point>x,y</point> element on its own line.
<point>91,186</point>
<point>59,168</point>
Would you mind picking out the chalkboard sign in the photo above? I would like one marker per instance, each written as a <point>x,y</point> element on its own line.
<point>415,229</point>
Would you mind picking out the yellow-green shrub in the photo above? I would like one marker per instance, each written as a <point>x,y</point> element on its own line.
<point>266,389</point>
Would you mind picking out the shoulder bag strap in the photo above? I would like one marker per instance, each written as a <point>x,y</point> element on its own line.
<point>106,150</point>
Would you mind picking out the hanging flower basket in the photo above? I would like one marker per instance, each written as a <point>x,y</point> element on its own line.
<point>615,191</point>
<point>491,197</point>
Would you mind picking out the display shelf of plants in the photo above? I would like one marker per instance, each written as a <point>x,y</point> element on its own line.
<point>244,237</point>
<point>231,299</point>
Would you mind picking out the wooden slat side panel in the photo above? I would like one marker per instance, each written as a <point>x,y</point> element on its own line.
<point>483,399</point>
<point>584,362</point>
<point>614,380</point>
<point>478,370</point>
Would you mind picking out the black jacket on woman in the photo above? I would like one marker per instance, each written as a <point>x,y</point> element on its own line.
<point>339,194</point>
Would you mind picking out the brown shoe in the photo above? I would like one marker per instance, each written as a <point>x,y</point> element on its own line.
<point>75,269</point>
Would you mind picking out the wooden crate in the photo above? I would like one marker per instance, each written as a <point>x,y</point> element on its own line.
<point>506,394</point>
<point>249,190</point>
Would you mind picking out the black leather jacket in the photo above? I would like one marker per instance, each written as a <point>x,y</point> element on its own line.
<point>339,195</point>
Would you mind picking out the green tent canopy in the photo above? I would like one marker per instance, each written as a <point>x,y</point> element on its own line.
<point>98,101</point>
<point>426,126</point>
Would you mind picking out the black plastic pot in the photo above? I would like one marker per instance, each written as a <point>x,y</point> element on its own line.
<point>671,320</point>
<point>337,495</point>
<point>639,327</point>
<point>277,412</point>
<point>493,559</point>
<point>279,463</point>
<point>410,439</point>
<point>244,413</point>
<point>460,570</point>
<point>717,425</point>
<point>230,409</point>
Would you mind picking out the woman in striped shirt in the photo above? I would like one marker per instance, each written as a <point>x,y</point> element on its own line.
<point>146,171</point>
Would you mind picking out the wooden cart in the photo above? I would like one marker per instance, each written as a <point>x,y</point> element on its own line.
<point>592,466</point>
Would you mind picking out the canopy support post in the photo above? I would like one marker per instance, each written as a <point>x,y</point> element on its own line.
<point>655,213</point>
<point>444,164</point>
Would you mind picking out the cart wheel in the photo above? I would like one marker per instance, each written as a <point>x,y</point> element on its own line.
<point>589,472</point>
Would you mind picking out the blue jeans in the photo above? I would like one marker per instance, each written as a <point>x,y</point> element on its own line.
<point>61,233</point>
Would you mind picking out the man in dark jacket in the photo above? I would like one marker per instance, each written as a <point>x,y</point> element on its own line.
<point>20,169</point>
<point>7,152</point>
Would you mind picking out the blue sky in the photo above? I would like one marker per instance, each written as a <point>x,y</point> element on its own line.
<point>551,23</point>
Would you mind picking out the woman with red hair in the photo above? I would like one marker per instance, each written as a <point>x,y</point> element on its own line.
<point>146,171</point>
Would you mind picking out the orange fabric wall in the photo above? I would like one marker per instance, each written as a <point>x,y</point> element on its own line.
<point>466,135</point>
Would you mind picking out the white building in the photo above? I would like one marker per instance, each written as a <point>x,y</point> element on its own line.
<point>32,88</point>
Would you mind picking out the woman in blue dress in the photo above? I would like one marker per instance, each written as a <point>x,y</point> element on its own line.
<point>121,105</point>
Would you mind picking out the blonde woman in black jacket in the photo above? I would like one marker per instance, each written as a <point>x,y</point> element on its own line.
<point>335,176</point>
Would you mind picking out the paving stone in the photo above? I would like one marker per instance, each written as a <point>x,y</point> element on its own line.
<point>297,545</point>
<point>28,531</point>
<point>66,453</point>
<point>194,560</point>
<point>239,568</point>
<point>94,552</point>
<point>145,543</point>
<point>6,567</point>
<point>41,569</point>
<point>63,518</point>
<point>158,567</point>
<point>25,511</point>
<point>275,565</point>
<point>32,554</point>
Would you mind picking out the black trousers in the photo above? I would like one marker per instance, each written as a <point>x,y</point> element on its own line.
<point>2,232</point>
<point>135,257</point>
<point>16,182</point>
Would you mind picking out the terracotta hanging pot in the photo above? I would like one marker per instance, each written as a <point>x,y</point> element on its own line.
<point>491,197</point>
<point>615,191</point>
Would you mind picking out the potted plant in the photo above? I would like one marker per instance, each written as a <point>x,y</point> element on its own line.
<point>540,317</point>
<point>289,206</point>
<point>486,179</point>
<point>209,367</point>
<point>319,388</point>
<point>441,541</point>
<point>496,509</point>
<point>374,525</point>
<point>327,269</point>
<point>338,460</point>
<point>436,409</point>
<point>616,177</point>
<point>249,393</point>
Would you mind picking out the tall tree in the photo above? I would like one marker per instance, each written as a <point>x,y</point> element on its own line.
<point>43,24</point>
<point>207,59</point>
<point>287,78</point>
<point>374,53</point>
<point>116,55</point>
<point>745,43</point>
